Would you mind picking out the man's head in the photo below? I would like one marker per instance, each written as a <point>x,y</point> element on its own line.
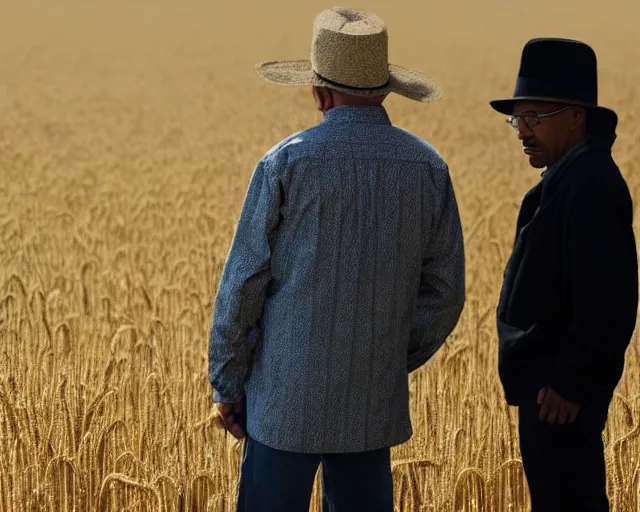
<point>556,73</point>
<point>548,130</point>
<point>327,98</point>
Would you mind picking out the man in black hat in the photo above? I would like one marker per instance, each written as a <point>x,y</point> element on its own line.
<point>569,299</point>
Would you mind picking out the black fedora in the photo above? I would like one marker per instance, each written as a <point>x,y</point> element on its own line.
<point>558,71</point>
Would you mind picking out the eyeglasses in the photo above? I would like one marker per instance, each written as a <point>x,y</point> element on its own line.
<point>532,120</point>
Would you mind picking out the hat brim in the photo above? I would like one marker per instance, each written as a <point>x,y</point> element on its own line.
<point>506,106</point>
<point>405,82</point>
<point>601,119</point>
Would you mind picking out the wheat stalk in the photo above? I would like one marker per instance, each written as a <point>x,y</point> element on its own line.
<point>118,491</point>
<point>65,490</point>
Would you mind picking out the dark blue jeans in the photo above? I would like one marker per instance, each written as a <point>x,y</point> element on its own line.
<point>564,464</point>
<point>279,481</point>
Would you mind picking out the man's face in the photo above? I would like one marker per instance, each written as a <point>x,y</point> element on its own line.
<point>546,141</point>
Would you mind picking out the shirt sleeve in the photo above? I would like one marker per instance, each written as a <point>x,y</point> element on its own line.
<point>441,292</point>
<point>603,272</point>
<point>241,294</point>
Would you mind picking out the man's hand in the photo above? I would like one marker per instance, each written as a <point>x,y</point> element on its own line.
<point>233,418</point>
<point>554,407</point>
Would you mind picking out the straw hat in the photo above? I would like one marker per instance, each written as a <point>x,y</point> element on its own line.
<point>349,53</point>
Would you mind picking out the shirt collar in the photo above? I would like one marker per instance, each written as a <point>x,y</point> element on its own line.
<point>357,114</point>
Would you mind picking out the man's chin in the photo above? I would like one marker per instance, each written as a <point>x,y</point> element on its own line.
<point>536,161</point>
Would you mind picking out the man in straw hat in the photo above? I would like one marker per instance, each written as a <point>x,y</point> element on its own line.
<point>569,299</point>
<point>347,269</point>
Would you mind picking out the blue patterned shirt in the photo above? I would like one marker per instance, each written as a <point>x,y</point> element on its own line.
<point>346,272</point>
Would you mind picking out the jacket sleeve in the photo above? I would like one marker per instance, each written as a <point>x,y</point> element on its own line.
<point>603,269</point>
<point>441,291</point>
<point>241,293</point>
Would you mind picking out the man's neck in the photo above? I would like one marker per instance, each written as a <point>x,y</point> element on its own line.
<point>572,143</point>
<point>340,99</point>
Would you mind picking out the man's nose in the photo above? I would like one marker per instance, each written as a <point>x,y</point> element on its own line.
<point>524,132</point>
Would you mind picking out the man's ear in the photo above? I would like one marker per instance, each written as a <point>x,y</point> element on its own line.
<point>317,97</point>
<point>579,117</point>
<point>324,98</point>
<point>329,99</point>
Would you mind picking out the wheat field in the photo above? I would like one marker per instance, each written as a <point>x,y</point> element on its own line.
<point>128,133</point>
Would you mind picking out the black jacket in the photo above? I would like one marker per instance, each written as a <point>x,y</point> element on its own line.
<point>569,300</point>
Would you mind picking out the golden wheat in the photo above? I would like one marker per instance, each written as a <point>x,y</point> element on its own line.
<point>127,137</point>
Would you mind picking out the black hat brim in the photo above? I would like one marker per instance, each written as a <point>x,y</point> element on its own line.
<point>506,106</point>
<point>603,114</point>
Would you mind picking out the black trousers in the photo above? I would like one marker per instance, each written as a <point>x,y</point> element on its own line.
<point>564,464</point>
<point>278,481</point>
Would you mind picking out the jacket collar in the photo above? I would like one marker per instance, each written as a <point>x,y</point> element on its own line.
<point>552,175</point>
